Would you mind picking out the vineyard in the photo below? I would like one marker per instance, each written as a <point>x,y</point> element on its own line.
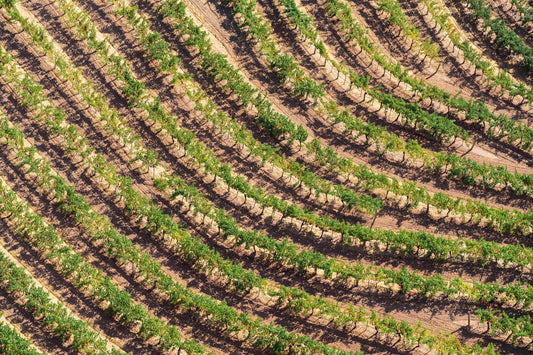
<point>266,177</point>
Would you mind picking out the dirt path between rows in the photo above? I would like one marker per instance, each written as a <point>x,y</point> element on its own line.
<point>105,205</point>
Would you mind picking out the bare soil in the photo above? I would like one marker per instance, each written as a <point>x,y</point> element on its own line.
<point>438,314</point>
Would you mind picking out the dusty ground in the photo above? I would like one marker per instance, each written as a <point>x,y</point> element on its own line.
<point>437,314</point>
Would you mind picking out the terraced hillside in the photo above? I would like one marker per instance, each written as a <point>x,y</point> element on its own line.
<point>287,176</point>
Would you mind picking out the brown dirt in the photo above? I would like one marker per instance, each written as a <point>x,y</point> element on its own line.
<point>437,314</point>
<point>109,213</point>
